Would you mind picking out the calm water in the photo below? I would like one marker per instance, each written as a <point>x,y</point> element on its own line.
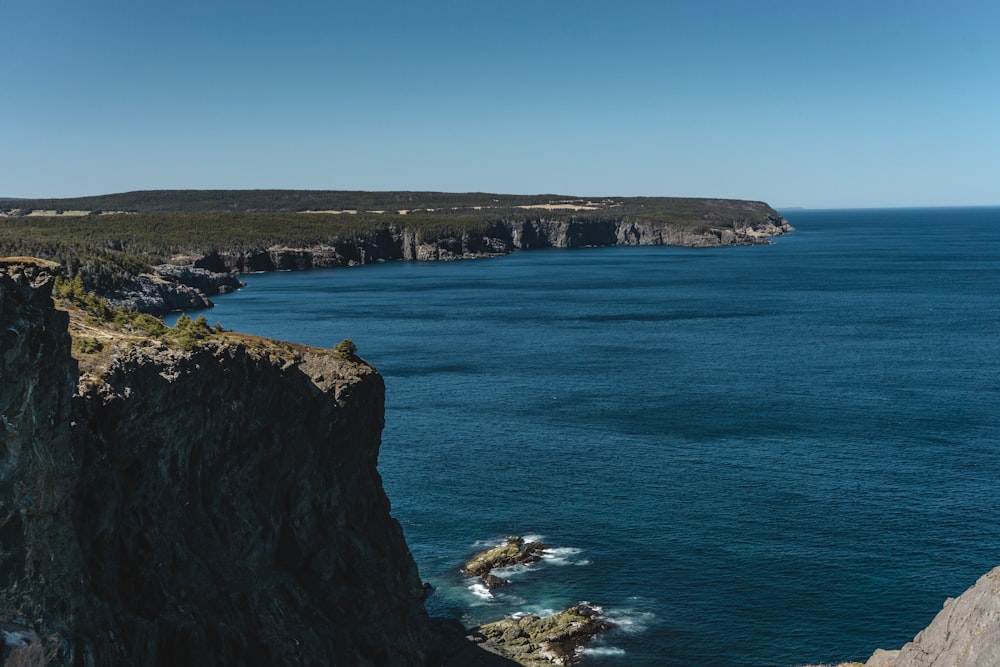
<point>747,456</point>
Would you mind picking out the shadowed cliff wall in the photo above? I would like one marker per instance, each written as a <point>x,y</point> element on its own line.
<point>219,506</point>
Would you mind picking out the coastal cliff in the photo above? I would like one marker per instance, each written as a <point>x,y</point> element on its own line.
<point>213,506</point>
<point>162,251</point>
<point>754,226</point>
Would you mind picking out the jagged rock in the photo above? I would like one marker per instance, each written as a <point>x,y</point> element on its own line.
<point>155,295</point>
<point>965,633</point>
<point>541,641</point>
<point>515,551</point>
<point>207,282</point>
<point>171,288</point>
<point>492,581</point>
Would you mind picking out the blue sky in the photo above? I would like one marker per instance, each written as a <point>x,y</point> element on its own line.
<point>797,103</point>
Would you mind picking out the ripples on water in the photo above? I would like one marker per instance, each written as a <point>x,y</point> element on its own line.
<point>747,456</point>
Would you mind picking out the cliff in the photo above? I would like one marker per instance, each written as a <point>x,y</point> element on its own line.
<point>756,224</point>
<point>205,507</point>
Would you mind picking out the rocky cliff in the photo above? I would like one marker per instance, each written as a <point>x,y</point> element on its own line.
<point>205,507</point>
<point>755,224</point>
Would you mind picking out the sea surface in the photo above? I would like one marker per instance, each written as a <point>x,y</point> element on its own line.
<point>769,455</point>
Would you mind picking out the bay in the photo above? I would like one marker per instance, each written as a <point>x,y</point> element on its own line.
<point>768,455</point>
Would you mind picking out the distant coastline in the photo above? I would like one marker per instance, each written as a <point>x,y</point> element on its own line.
<point>128,246</point>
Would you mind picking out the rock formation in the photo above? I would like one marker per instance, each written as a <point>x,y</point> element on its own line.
<point>217,506</point>
<point>535,641</point>
<point>171,288</point>
<point>965,633</point>
<point>515,551</point>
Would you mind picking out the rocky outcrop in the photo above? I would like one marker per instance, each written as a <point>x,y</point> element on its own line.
<point>514,551</point>
<point>171,288</point>
<point>965,633</point>
<point>535,641</point>
<point>208,507</point>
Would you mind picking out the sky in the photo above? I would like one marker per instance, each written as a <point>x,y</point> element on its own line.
<point>807,103</point>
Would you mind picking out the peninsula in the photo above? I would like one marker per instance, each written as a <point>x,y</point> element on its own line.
<point>161,251</point>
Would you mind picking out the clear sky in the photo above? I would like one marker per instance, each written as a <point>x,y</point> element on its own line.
<point>796,102</point>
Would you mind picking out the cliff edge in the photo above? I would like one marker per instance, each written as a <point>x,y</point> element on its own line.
<point>213,506</point>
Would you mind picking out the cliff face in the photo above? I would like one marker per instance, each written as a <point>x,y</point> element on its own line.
<point>40,590</point>
<point>218,506</point>
<point>756,225</point>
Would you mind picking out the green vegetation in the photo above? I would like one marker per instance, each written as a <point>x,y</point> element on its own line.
<point>186,333</point>
<point>346,349</point>
<point>189,333</point>
<point>87,345</point>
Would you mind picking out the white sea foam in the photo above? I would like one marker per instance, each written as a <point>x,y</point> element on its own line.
<point>630,621</point>
<point>602,651</point>
<point>512,571</point>
<point>481,591</point>
<point>533,538</point>
<point>564,556</point>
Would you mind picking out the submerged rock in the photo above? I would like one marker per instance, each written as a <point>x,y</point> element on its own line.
<point>536,641</point>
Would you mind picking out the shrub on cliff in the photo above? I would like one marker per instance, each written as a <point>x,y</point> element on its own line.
<point>100,311</point>
<point>346,349</point>
<point>188,333</point>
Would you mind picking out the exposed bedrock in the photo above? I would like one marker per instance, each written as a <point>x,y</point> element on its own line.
<point>172,288</point>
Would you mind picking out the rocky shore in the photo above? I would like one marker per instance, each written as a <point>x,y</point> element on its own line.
<point>189,284</point>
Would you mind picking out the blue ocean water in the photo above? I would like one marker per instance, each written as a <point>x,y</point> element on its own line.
<point>769,455</point>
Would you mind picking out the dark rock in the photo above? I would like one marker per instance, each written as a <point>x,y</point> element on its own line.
<point>492,581</point>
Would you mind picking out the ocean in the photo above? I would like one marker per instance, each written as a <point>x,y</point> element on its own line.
<point>762,456</point>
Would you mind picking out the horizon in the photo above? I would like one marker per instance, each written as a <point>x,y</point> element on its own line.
<point>851,105</point>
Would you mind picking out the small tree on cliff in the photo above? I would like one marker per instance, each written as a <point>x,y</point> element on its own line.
<point>346,349</point>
